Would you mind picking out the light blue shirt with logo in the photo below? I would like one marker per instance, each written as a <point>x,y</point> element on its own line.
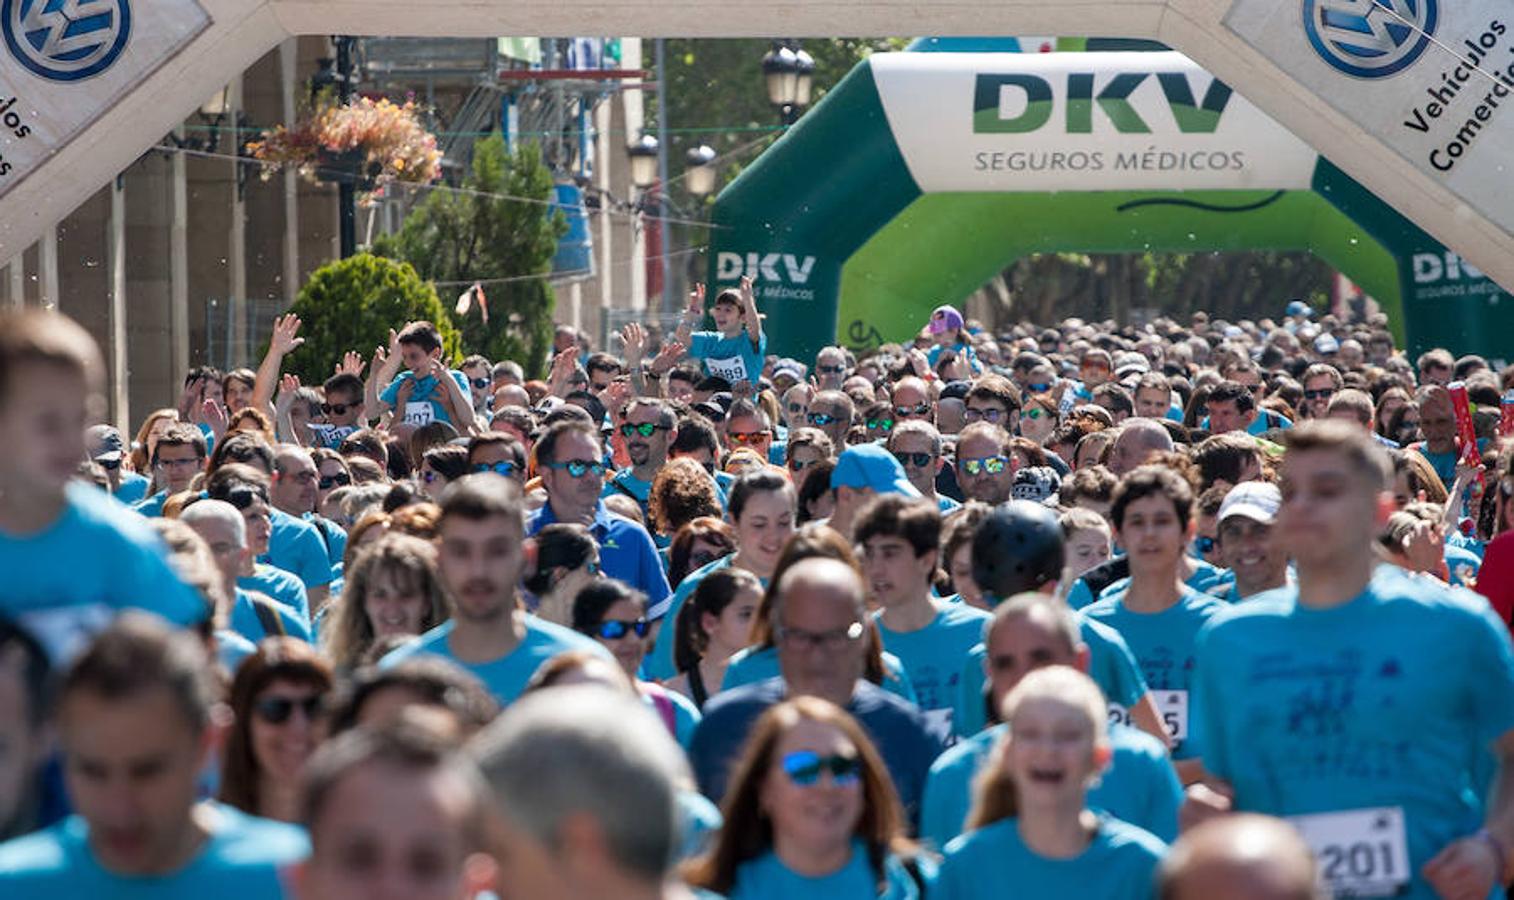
<point>734,358</point>
<point>767,878</point>
<point>933,655</point>
<point>244,858</point>
<point>994,862</point>
<point>507,676</point>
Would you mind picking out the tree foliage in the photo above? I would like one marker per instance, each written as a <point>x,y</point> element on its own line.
<point>351,304</point>
<point>478,235</point>
<point>1254,284</point>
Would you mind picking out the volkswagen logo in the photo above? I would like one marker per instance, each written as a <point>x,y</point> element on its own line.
<point>66,40</point>
<point>1370,38</point>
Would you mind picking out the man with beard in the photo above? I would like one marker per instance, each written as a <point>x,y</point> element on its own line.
<point>649,429</point>
<point>481,539</point>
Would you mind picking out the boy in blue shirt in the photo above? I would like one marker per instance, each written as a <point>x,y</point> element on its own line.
<point>735,350</point>
<point>135,734</point>
<point>900,537</point>
<point>482,554</point>
<point>427,391</point>
<point>1357,701</point>
<point>72,556</point>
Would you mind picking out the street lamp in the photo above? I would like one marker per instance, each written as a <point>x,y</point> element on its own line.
<point>805,80</point>
<point>643,154</point>
<point>701,172</point>
<point>790,76</point>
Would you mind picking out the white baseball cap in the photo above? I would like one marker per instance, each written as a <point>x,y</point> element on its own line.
<point>1256,500</point>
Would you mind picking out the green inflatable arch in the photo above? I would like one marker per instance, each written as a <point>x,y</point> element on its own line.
<point>922,175</point>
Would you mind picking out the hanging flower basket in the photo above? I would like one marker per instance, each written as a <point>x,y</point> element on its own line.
<point>367,143</point>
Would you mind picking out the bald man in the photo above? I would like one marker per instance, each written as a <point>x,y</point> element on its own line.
<point>1239,857</point>
<point>820,624</point>
<point>1139,439</point>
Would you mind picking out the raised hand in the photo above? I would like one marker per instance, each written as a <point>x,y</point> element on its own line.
<point>285,334</point>
<point>616,396</point>
<point>634,337</point>
<point>288,385</point>
<point>351,364</point>
<point>696,301</point>
<point>668,356</point>
<point>214,415</point>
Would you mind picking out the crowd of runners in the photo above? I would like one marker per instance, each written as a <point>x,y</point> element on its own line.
<point>1188,610</point>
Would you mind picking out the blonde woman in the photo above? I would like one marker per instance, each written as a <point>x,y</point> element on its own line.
<point>392,590</point>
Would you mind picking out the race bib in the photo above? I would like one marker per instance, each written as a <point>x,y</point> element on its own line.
<point>419,414</point>
<point>1173,708</point>
<point>732,369</point>
<point>1359,852</point>
<point>65,631</point>
<point>1118,715</point>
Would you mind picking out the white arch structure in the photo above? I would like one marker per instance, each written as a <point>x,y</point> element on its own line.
<point>240,31</point>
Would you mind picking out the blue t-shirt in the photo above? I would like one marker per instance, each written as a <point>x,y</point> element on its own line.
<point>933,356</point>
<point>151,507</point>
<point>1462,564</point>
<point>296,547</point>
<point>767,878</point>
<point>1388,700</point>
<point>902,735</point>
<point>933,655</point>
<point>625,483</point>
<point>1111,665</point>
<point>1163,644</point>
<point>133,488</point>
<point>505,677</point>
<point>684,713</point>
<point>658,665</point>
<point>1140,786</point>
<point>244,619</point>
<point>232,649</point>
<point>332,535</point>
<point>626,552</point>
<point>750,665</point>
<point>734,359</point>
<point>244,857</point>
<point>279,585</point>
<point>424,404</point>
<point>66,582</point>
<point>1119,864</point>
<point>1207,578</point>
<point>946,505</point>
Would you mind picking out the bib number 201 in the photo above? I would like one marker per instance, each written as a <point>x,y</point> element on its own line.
<point>1361,852</point>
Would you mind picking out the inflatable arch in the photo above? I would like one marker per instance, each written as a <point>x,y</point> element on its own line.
<point>921,175</point>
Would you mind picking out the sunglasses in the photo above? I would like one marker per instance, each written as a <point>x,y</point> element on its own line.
<point>803,768</point>
<point>1321,394</point>
<point>820,420</point>
<point>1039,387</point>
<point>831,370</point>
<point>499,468</point>
<point>918,460</point>
<point>799,465</point>
<point>243,497</point>
<point>748,437</point>
<point>577,467</point>
<point>1205,545</point>
<point>429,476</point>
<point>877,424</point>
<point>973,414</point>
<point>340,479</point>
<point>479,383</point>
<point>1035,413</point>
<point>177,463</point>
<point>339,409</point>
<point>905,412</point>
<point>277,710</point>
<point>109,465</point>
<point>992,465</point>
<point>615,629</point>
<point>645,429</point>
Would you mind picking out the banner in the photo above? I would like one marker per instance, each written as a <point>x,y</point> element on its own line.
<point>1433,79</point>
<point>1081,121</point>
<point>63,63</point>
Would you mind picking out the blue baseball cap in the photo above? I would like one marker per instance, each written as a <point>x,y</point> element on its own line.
<point>871,466</point>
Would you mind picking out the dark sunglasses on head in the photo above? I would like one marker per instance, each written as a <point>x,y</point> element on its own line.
<point>340,479</point>
<point>277,710</point>
<point>339,409</point>
<point>645,429</point>
<point>918,460</point>
<point>503,467</point>
<point>1204,544</point>
<point>479,383</point>
<point>577,467</point>
<point>615,629</point>
<point>803,768</point>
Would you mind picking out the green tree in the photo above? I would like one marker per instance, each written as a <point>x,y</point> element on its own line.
<point>351,304</point>
<point>477,235</point>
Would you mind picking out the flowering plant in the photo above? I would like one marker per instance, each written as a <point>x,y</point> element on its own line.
<point>384,141</point>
